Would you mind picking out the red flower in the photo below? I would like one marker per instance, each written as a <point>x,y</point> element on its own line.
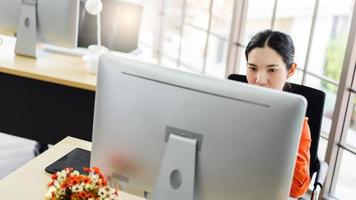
<point>53,196</point>
<point>86,169</point>
<point>83,195</point>
<point>50,184</point>
<point>90,195</point>
<point>74,180</point>
<point>96,170</point>
<point>86,180</point>
<point>65,185</point>
<point>70,169</point>
<point>54,177</point>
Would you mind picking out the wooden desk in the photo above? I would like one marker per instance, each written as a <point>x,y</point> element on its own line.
<point>30,181</point>
<point>50,67</point>
<point>47,98</point>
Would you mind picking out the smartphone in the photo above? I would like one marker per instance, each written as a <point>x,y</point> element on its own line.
<point>77,159</point>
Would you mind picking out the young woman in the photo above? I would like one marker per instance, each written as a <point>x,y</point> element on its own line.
<point>270,62</point>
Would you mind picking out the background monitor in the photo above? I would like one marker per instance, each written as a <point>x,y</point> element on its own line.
<point>247,136</point>
<point>57,20</point>
<point>120,25</point>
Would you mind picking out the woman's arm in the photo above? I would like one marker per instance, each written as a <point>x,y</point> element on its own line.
<point>301,177</point>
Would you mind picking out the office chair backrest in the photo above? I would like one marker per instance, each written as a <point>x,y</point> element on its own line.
<point>315,108</point>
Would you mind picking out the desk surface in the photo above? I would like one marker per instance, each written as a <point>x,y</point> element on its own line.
<point>30,180</point>
<point>51,67</point>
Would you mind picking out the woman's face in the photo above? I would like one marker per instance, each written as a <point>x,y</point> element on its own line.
<point>265,67</point>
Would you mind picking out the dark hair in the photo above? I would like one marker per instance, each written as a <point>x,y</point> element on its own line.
<point>282,43</point>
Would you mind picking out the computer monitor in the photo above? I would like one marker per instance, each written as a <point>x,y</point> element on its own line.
<point>49,21</point>
<point>120,25</point>
<point>177,135</point>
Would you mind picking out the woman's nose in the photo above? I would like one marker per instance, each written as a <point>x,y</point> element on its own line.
<point>261,79</point>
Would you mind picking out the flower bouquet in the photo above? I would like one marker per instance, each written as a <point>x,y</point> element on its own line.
<point>69,184</point>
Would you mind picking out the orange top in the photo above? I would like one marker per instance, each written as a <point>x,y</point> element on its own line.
<point>301,178</point>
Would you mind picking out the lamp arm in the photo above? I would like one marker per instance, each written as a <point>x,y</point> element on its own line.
<point>98,17</point>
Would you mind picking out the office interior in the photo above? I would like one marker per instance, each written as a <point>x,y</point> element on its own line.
<point>202,37</point>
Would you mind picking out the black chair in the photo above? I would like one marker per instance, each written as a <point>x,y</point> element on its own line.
<point>316,100</point>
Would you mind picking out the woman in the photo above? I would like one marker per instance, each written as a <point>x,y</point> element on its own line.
<point>270,62</point>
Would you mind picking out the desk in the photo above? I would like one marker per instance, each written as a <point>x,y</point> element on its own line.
<point>47,98</point>
<point>30,181</point>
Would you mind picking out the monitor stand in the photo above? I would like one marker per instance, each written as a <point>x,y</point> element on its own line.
<point>27,29</point>
<point>176,179</point>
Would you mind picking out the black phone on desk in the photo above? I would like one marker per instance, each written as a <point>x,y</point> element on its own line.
<point>76,159</point>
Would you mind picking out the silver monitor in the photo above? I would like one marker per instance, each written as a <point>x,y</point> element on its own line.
<point>168,134</point>
<point>50,21</point>
<point>120,24</point>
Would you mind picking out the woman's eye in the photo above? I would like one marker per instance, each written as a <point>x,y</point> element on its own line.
<point>272,70</point>
<point>253,68</point>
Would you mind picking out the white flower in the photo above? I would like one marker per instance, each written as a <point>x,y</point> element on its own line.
<point>61,176</point>
<point>62,173</point>
<point>66,170</point>
<point>88,187</point>
<point>56,184</point>
<point>91,199</point>
<point>50,191</point>
<point>60,192</point>
<point>49,195</point>
<point>75,173</point>
<point>77,188</point>
<point>94,177</point>
<point>103,192</point>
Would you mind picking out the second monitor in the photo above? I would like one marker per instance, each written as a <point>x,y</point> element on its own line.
<point>49,21</point>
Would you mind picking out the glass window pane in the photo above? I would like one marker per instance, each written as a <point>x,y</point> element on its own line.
<point>216,59</point>
<point>193,47</point>
<point>171,37</point>
<point>173,8</point>
<point>351,133</point>
<point>294,18</point>
<point>169,62</point>
<point>259,15</point>
<point>323,143</point>
<point>222,17</point>
<point>330,91</point>
<point>242,65</point>
<point>330,38</point>
<point>149,22</point>
<point>346,182</point>
<point>146,53</point>
<point>172,22</point>
<point>188,69</point>
<point>197,13</point>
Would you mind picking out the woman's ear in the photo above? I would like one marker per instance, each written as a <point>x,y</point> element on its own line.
<point>292,69</point>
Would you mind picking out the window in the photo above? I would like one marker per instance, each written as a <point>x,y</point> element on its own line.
<point>346,181</point>
<point>295,18</point>
<point>191,35</point>
<point>259,16</point>
<point>327,52</point>
<point>197,36</point>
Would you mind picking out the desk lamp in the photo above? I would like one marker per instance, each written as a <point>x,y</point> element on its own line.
<point>94,7</point>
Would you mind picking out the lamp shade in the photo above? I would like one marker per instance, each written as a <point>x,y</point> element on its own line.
<point>94,7</point>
